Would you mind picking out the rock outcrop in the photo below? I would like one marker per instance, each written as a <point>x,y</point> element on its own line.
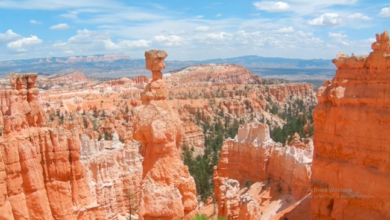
<point>282,91</point>
<point>351,124</point>
<point>114,178</point>
<point>233,107</point>
<point>167,191</point>
<point>50,173</point>
<point>193,135</point>
<point>254,157</point>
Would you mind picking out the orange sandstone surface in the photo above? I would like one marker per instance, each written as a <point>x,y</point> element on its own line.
<point>57,173</point>
<point>351,139</point>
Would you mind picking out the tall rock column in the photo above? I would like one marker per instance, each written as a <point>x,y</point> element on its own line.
<point>168,191</point>
<point>351,164</point>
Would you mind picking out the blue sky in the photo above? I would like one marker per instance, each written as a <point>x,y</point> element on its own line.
<point>190,30</point>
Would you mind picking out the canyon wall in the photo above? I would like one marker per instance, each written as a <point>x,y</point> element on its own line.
<point>351,138</point>
<point>254,157</point>
<point>282,91</point>
<point>49,173</point>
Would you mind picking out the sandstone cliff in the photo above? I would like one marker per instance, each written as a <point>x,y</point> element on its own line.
<point>48,173</point>
<point>351,124</point>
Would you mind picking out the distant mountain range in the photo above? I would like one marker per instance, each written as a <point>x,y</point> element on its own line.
<point>117,65</point>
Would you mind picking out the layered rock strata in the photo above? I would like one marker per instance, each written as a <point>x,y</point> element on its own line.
<point>49,173</point>
<point>253,157</point>
<point>351,124</point>
<point>167,191</point>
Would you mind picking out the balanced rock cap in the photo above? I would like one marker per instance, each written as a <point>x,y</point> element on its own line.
<point>154,60</point>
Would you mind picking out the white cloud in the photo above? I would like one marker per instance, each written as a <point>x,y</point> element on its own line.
<point>35,22</point>
<point>304,34</point>
<point>68,52</point>
<point>85,37</point>
<point>218,15</point>
<point>109,45</point>
<point>94,41</point>
<point>70,15</point>
<point>57,4</point>
<point>327,19</point>
<point>61,26</point>
<point>86,41</point>
<point>221,36</point>
<point>271,6</point>
<point>365,42</point>
<point>24,44</point>
<point>170,40</point>
<point>339,38</point>
<point>385,12</point>
<point>9,36</point>
<point>359,16</point>
<point>74,13</point>
<point>273,40</point>
<point>285,30</point>
<point>193,37</point>
<point>127,44</point>
<point>337,35</point>
<point>312,7</point>
<point>202,28</point>
<point>199,16</point>
<point>218,43</point>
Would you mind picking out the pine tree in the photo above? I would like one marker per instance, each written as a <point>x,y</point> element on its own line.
<point>133,203</point>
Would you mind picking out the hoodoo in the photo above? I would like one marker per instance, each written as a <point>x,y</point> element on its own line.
<point>351,164</point>
<point>167,189</point>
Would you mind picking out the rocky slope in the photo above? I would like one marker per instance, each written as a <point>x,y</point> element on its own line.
<point>351,138</point>
<point>212,74</point>
<point>282,172</point>
<point>67,80</point>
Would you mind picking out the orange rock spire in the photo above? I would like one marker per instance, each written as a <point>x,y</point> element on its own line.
<point>351,138</point>
<point>167,191</point>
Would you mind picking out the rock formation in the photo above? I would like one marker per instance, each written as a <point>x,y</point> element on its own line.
<point>214,74</point>
<point>233,107</point>
<point>193,135</point>
<point>49,173</point>
<point>282,91</point>
<point>116,144</point>
<point>168,190</point>
<point>113,176</point>
<point>351,138</point>
<point>254,157</point>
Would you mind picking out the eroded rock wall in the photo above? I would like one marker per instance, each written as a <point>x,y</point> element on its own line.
<point>351,138</point>
<point>49,173</point>
<point>282,92</point>
<point>253,157</point>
